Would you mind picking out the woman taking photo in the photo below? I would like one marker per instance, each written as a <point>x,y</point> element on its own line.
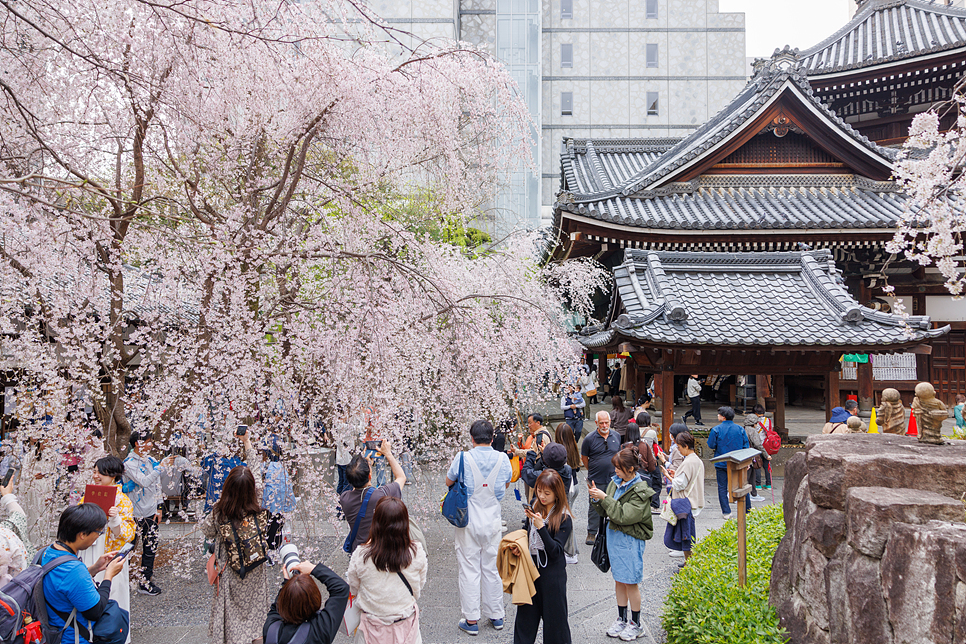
<point>121,529</point>
<point>626,506</point>
<point>687,484</point>
<point>386,575</point>
<point>298,602</point>
<point>549,526</point>
<point>240,601</point>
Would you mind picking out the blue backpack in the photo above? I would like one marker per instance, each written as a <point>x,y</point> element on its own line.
<point>455,506</point>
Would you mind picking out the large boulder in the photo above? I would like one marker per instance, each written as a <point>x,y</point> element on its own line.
<point>875,542</point>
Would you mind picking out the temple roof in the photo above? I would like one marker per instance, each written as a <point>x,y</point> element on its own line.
<point>633,183</point>
<point>886,31</point>
<point>692,299</point>
<point>777,82</point>
<point>777,202</point>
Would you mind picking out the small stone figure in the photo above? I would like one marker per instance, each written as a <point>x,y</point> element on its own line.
<point>890,416</point>
<point>855,424</point>
<point>930,413</point>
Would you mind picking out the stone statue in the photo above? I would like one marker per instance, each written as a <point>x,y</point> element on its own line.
<point>890,416</point>
<point>930,413</point>
<point>855,425</point>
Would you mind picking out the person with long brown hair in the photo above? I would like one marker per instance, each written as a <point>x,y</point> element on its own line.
<point>627,508</point>
<point>619,416</point>
<point>573,457</point>
<point>549,525</point>
<point>242,598</point>
<point>386,575</point>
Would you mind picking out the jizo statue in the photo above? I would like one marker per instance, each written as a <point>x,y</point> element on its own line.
<point>891,416</point>
<point>930,413</point>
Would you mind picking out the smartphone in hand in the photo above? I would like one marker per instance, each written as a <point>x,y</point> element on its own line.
<point>527,506</point>
<point>7,477</point>
<point>124,551</point>
<point>241,430</point>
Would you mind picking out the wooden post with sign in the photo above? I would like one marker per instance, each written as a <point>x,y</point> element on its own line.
<point>738,488</point>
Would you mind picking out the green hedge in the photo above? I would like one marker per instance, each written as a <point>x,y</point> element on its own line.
<point>705,604</point>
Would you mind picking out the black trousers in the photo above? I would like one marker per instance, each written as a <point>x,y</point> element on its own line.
<point>148,532</point>
<point>549,604</point>
<point>695,409</point>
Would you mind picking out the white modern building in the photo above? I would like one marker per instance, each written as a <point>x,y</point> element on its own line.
<point>621,69</point>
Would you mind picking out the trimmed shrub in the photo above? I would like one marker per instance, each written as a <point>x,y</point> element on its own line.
<point>705,604</point>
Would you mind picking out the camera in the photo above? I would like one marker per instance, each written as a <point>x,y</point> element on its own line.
<point>290,558</point>
<point>373,445</point>
<point>241,430</point>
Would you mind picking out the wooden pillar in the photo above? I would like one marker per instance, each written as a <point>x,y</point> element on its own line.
<point>667,411</point>
<point>831,392</point>
<point>866,388</point>
<point>778,383</point>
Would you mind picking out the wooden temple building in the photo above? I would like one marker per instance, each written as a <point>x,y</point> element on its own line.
<point>755,246</point>
<point>893,60</point>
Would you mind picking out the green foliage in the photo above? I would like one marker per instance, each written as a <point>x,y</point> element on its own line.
<point>705,604</point>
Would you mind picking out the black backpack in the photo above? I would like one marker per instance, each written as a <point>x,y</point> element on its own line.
<point>23,610</point>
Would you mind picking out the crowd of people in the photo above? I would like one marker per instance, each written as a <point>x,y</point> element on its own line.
<point>618,461</point>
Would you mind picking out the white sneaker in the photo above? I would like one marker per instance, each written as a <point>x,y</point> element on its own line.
<point>725,516</point>
<point>617,628</point>
<point>757,498</point>
<point>632,632</point>
<point>676,553</point>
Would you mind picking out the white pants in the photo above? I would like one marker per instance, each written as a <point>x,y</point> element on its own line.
<point>478,561</point>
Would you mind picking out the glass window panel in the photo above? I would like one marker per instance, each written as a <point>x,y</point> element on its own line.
<point>533,41</point>
<point>567,9</point>
<point>652,103</point>
<point>566,103</point>
<point>651,9</point>
<point>504,6</point>
<point>566,55</point>
<point>651,55</point>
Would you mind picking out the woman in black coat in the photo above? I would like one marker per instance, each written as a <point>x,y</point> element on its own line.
<point>549,526</point>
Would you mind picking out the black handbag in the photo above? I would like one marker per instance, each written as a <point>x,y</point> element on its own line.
<point>599,554</point>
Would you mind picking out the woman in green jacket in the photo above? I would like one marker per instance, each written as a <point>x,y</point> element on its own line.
<point>627,506</point>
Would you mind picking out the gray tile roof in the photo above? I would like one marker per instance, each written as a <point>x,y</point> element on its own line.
<point>884,31</point>
<point>596,165</point>
<point>753,203</point>
<point>145,295</point>
<point>746,299</point>
<point>779,74</point>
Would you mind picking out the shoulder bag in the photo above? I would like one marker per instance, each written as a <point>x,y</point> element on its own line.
<point>349,540</point>
<point>455,506</point>
<point>599,553</point>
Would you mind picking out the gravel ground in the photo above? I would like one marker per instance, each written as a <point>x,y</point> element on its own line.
<point>180,614</point>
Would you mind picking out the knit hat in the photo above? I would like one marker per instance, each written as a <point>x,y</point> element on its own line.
<point>554,455</point>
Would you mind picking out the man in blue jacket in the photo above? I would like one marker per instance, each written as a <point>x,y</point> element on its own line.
<point>723,438</point>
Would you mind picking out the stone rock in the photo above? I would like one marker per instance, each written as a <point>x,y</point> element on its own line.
<point>795,471</point>
<point>837,462</point>
<point>810,585</point>
<point>839,622</point>
<point>875,545</point>
<point>867,605</point>
<point>873,510</point>
<point>921,569</point>
<point>826,530</point>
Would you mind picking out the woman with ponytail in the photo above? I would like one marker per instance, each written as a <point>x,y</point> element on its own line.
<point>627,507</point>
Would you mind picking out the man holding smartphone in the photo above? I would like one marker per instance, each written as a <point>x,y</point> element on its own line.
<point>145,473</point>
<point>359,474</point>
